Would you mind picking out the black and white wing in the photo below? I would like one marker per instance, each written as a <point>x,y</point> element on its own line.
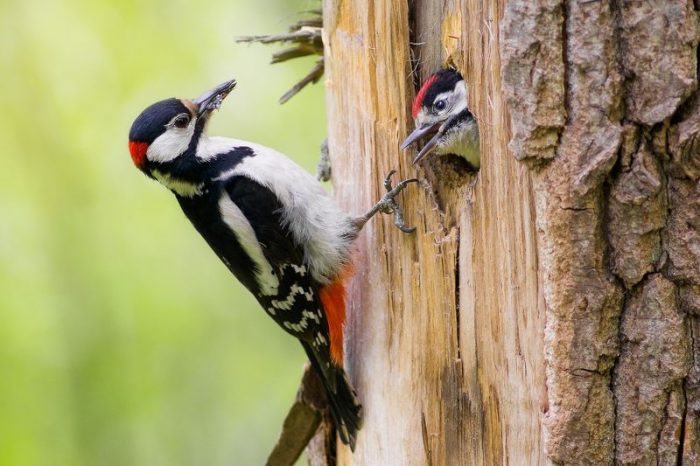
<point>286,289</point>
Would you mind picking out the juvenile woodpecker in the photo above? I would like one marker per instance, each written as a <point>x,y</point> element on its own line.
<point>440,110</point>
<point>270,222</point>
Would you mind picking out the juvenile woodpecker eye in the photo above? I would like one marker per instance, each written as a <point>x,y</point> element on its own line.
<point>440,105</point>
<point>182,121</point>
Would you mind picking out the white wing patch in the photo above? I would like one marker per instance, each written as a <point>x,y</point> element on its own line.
<point>210,147</point>
<point>312,217</point>
<point>238,223</point>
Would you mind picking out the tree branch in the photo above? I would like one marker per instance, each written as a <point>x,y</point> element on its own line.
<point>306,37</point>
<point>302,421</point>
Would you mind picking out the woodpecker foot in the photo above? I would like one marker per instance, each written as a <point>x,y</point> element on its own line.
<point>323,169</point>
<point>388,205</point>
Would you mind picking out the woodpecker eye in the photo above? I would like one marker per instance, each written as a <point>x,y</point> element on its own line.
<point>440,105</point>
<point>182,121</point>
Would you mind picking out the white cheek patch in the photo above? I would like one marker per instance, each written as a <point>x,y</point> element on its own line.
<point>171,144</point>
<point>461,96</point>
<point>456,99</point>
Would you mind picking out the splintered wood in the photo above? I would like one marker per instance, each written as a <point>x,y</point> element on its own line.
<point>547,309</point>
<point>445,331</point>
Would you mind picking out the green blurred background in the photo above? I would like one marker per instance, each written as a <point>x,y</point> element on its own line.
<point>123,340</point>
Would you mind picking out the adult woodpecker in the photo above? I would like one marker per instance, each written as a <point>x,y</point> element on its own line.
<point>440,110</point>
<point>270,222</point>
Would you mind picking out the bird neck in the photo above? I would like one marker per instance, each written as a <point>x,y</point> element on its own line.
<point>202,166</point>
<point>462,137</point>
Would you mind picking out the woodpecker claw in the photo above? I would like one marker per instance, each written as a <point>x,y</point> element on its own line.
<point>387,180</point>
<point>388,205</point>
<point>390,199</point>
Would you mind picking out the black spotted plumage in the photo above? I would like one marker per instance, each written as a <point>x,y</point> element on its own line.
<point>241,220</point>
<point>304,317</point>
<point>295,306</point>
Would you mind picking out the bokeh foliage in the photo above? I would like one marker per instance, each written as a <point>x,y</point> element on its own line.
<point>123,340</point>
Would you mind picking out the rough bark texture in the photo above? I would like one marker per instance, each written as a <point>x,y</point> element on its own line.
<point>548,308</point>
<point>618,231</point>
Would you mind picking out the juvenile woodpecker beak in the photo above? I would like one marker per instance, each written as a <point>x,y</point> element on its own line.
<point>211,99</point>
<point>423,130</point>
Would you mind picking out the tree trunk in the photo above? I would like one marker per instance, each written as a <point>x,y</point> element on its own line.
<point>544,312</point>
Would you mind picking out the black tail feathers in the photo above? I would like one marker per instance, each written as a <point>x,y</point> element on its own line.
<point>345,409</point>
<point>344,406</point>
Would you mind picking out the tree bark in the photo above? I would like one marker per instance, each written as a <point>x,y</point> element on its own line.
<point>547,307</point>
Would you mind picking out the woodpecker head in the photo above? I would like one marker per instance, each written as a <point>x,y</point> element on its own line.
<point>440,111</point>
<point>171,127</point>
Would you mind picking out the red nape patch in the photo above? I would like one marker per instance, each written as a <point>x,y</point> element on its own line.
<point>418,100</point>
<point>333,300</point>
<point>138,153</point>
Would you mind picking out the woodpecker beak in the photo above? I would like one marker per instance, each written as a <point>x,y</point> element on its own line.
<point>423,130</point>
<point>211,100</point>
